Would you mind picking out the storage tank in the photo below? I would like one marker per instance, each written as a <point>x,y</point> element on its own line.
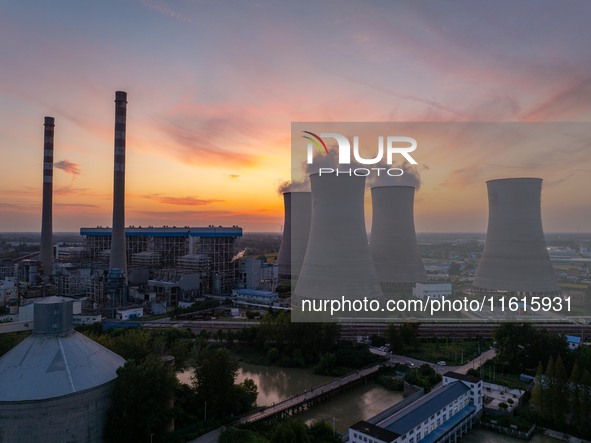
<point>56,385</point>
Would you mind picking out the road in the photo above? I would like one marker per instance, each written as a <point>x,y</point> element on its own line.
<point>402,359</point>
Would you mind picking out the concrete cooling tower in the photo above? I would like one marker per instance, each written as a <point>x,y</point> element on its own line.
<point>56,384</point>
<point>393,241</point>
<point>337,261</point>
<point>46,251</point>
<point>515,257</point>
<point>296,228</point>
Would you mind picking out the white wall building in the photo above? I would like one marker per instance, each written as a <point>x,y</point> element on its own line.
<point>444,414</point>
<point>130,314</point>
<point>432,290</point>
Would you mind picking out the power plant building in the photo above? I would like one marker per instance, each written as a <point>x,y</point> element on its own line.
<point>515,257</point>
<point>209,250</point>
<point>56,385</point>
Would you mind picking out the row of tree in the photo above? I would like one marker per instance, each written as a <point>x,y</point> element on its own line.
<point>563,401</point>
<point>282,431</point>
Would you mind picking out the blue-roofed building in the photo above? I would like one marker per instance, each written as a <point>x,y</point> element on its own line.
<point>443,415</point>
<point>573,341</point>
<point>208,250</point>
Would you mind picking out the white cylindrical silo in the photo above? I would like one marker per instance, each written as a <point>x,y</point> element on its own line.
<point>515,257</point>
<point>296,228</point>
<point>337,261</point>
<point>393,241</point>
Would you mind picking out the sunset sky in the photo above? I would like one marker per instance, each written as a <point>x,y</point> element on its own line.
<point>213,87</point>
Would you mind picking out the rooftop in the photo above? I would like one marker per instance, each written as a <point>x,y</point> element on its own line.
<point>425,407</point>
<point>375,431</point>
<point>167,231</point>
<point>42,367</point>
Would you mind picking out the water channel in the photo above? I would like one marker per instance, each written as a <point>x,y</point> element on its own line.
<point>361,402</point>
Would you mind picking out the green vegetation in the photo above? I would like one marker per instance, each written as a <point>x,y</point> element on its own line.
<point>145,386</point>
<point>141,401</point>
<point>389,379</point>
<point>403,339</point>
<point>282,431</point>
<point>523,423</point>
<point>278,341</point>
<point>493,373</point>
<point>561,397</point>
<point>521,347</point>
<point>453,352</point>
<point>561,401</point>
<point>423,376</point>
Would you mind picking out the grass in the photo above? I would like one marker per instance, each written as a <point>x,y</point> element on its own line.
<point>449,351</point>
<point>489,374</point>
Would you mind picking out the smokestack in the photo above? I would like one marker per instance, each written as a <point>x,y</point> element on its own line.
<point>118,252</point>
<point>515,257</point>
<point>393,242</point>
<point>337,261</point>
<point>296,228</point>
<point>46,252</point>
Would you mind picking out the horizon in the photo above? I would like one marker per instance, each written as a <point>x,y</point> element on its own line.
<point>209,143</point>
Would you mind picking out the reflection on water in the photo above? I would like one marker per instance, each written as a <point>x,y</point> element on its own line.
<point>276,384</point>
<point>486,436</point>
<point>360,403</point>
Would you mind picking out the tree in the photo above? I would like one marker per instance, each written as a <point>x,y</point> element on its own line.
<point>215,371</point>
<point>537,394</point>
<point>140,401</point>
<point>394,338</point>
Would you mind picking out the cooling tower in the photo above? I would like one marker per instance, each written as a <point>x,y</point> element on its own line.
<point>46,251</point>
<point>515,257</point>
<point>393,242</point>
<point>118,258</point>
<point>296,229</point>
<point>337,261</point>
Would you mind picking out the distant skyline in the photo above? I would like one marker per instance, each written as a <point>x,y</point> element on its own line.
<point>214,86</point>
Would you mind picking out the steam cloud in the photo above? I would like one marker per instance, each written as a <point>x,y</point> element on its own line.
<point>410,177</point>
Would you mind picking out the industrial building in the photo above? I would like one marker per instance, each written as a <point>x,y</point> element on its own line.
<point>515,257</point>
<point>432,290</point>
<point>393,242</point>
<point>55,385</point>
<point>443,415</point>
<point>209,250</point>
<point>257,274</point>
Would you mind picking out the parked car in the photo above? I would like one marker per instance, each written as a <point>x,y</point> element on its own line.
<point>410,364</point>
<point>441,363</point>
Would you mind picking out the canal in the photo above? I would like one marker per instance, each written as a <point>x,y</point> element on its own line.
<point>361,402</point>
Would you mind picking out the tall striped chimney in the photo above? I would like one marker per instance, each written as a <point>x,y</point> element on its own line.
<point>118,253</point>
<point>46,252</point>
